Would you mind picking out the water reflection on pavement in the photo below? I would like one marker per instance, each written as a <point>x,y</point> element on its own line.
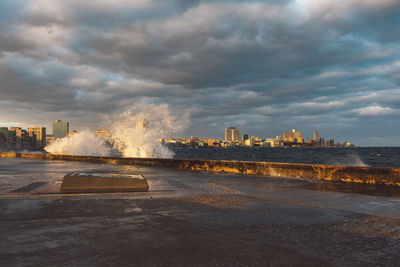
<point>194,218</point>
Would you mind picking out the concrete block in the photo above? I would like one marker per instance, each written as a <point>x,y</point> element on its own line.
<point>102,182</point>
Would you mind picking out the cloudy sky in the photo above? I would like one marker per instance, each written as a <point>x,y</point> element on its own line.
<point>262,66</point>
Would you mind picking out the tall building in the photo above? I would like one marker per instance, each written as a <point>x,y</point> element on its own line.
<point>245,137</point>
<point>293,136</point>
<point>315,137</point>
<point>39,133</point>
<point>60,129</point>
<point>231,134</point>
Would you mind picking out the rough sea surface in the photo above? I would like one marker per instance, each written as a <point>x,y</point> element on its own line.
<point>362,156</point>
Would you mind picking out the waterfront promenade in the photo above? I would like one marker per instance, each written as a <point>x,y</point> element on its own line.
<point>193,219</point>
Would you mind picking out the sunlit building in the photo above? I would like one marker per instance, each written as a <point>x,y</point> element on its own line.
<point>22,139</point>
<point>231,134</point>
<point>39,133</point>
<point>213,142</point>
<point>273,142</point>
<point>316,137</point>
<point>293,137</point>
<point>249,142</point>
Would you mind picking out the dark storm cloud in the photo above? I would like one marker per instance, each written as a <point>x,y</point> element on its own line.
<point>264,66</point>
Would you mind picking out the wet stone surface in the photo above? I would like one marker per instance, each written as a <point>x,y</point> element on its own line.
<point>194,219</point>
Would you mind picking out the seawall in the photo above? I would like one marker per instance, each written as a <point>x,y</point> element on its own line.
<point>368,175</point>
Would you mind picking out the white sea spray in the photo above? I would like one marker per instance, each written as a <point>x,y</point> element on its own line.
<point>137,131</point>
<point>83,143</point>
<point>134,132</point>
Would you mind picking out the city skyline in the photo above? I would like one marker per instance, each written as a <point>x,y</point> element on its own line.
<point>265,66</point>
<point>36,138</point>
<point>230,135</point>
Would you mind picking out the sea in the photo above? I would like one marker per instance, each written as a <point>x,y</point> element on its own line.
<point>359,156</point>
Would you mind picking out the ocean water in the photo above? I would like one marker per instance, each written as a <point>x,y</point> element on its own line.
<point>362,156</point>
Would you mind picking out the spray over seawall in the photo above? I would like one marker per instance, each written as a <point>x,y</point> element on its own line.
<point>136,131</point>
<point>133,133</point>
<point>83,143</point>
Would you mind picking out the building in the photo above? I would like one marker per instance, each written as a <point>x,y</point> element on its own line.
<point>293,137</point>
<point>249,142</point>
<point>322,142</point>
<point>193,141</point>
<point>39,133</point>
<point>22,139</point>
<point>330,142</point>
<point>213,142</point>
<point>19,135</point>
<point>60,129</point>
<point>245,137</point>
<point>316,137</point>
<point>7,139</point>
<point>231,134</point>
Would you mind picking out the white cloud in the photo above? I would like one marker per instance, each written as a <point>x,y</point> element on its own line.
<point>326,105</point>
<point>375,111</point>
<point>248,96</point>
<point>331,74</point>
<point>269,111</point>
<point>333,9</point>
<point>381,96</point>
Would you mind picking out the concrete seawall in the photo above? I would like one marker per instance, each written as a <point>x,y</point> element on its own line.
<point>368,175</point>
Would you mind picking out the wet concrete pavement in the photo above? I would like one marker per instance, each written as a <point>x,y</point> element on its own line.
<point>191,218</point>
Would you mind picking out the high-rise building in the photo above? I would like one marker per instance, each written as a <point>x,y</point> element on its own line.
<point>293,136</point>
<point>231,134</point>
<point>245,137</point>
<point>39,133</point>
<point>315,137</point>
<point>60,129</point>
